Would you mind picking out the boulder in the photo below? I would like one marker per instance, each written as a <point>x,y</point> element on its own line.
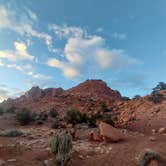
<point>162,130</point>
<point>109,133</point>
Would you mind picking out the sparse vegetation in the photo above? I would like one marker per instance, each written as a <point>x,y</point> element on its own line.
<point>75,117</point>
<point>1,111</point>
<point>61,146</point>
<point>108,119</point>
<point>11,133</point>
<point>24,116</point>
<point>53,113</point>
<point>11,110</point>
<point>98,116</point>
<point>104,108</point>
<point>156,97</point>
<point>126,98</point>
<point>160,86</point>
<point>136,97</point>
<point>147,157</point>
<point>55,124</point>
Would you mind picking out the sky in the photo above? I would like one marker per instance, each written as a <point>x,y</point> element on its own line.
<point>60,43</point>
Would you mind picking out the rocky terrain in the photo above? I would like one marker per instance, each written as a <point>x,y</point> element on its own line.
<point>140,126</point>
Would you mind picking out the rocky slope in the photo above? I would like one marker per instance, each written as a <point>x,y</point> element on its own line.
<point>87,97</point>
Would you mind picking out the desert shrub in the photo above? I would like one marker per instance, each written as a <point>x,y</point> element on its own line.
<point>53,113</point>
<point>1,111</point>
<point>104,108</point>
<point>93,118</point>
<point>125,98</point>
<point>11,133</point>
<point>160,86</point>
<point>104,117</point>
<point>11,110</point>
<point>74,117</point>
<point>61,147</point>
<point>147,157</point>
<point>107,118</point>
<point>39,122</point>
<point>42,116</point>
<point>156,97</point>
<point>55,124</point>
<point>136,97</point>
<point>24,116</point>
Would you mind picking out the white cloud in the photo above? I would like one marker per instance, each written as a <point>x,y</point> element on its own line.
<point>90,53</point>
<point>8,92</point>
<point>20,53</point>
<point>65,31</point>
<point>22,27</point>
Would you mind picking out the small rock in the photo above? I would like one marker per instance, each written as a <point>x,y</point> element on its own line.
<point>2,162</point>
<point>152,138</point>
<point>12,160</point>
<point>153,131</point>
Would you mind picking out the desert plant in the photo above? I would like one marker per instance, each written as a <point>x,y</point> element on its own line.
<point>74,117</point>
<point>61,146</point>
<point>124,98</point>
<point>53,113</point>
<point>156,97</point>
<point>107,118</point>
<point>1,111</point>
<point>55,124</point>
<point>24,116</point>
<point>136,97</point>
<point>93,118</point>
<point>147,157</point>
<point>160,86</point>
<point>11,133</point>
<point>11,110</point>
<point>104,108</point>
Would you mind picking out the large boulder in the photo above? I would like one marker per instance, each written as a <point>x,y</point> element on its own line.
<point>109,133</point>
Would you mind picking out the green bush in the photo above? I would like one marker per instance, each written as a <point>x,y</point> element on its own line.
<point>55,124</point>
<point>24,116</point>
<point>75,117</point>
<point>53,113</point>
<point>61,147</point>
<point>11,110</point>
<point>147,157</point>
<point>1,111</point>
<point>93,118</point>
<point>156,97</point>
<point>98,116</point>
<point>104,108</point>
<point>108,119</point>
<point>11,133</point>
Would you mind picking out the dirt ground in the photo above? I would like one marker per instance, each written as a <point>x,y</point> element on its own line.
<point>33,150</point>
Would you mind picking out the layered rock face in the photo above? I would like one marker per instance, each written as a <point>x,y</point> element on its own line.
<point>86,97</point>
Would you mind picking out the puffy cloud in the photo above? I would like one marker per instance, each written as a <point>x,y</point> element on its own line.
<point>82,54</point>
<point>22,27</point>
<point>20,53</point>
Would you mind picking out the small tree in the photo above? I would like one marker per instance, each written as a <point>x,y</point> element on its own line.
<point>61,147</point>
<point>24,116</point>
<point>160,86</point>
<point>104,108</point>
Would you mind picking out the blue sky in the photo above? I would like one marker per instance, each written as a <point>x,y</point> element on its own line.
<point>61,43</point>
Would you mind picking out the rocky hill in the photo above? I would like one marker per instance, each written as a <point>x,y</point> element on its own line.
<point>86,97</point>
